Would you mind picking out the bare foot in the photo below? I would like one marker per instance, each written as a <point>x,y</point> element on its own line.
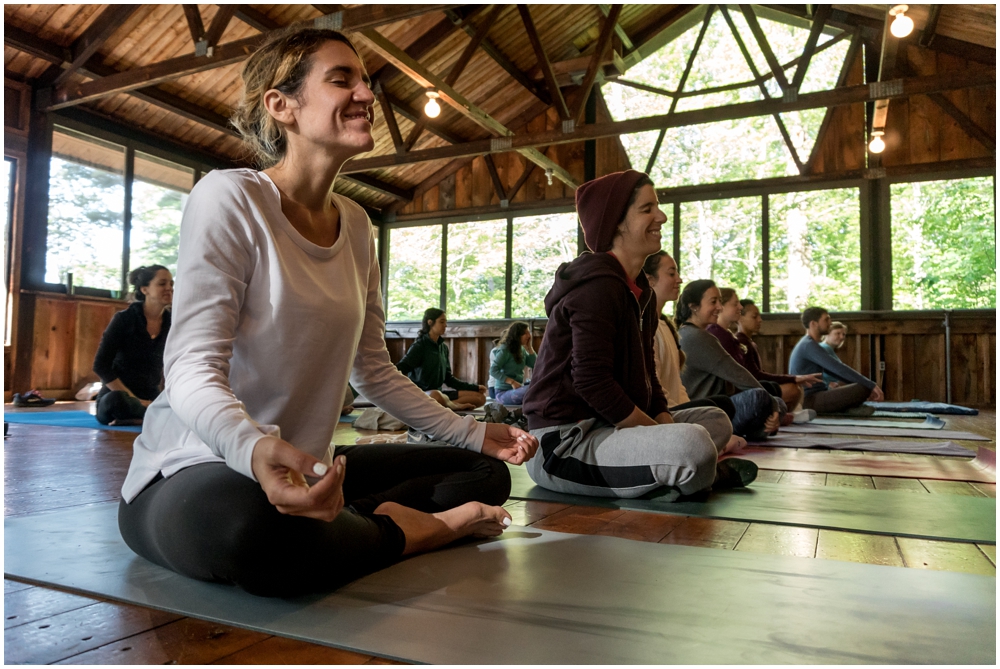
<point>427,531</point>
<point>460,406</point>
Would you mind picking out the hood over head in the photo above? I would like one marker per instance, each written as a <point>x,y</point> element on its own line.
<point>601,205</point>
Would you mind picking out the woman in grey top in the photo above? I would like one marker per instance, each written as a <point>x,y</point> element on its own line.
<point>710,370</point>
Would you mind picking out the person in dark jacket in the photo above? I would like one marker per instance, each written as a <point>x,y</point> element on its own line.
<point>129,360</point>
<point>426,363</point>
<point>594,401</point>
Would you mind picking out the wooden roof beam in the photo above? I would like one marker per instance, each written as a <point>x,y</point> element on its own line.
<point>219,24</point>
<point>603,42</point>
<point>195,25</point>
<point>96,34</point>
<point>500,59</point>
<point>819,22</point>
<point>379,186</point>
<point>420,46</point>
<point>33,45</point>
<point>929,32</point>
<point>765,47</point>
<point>352,19</point>
<point>414,115</point>
<point>836,97</point>
<point>627,44</point>
<point>544,63</point>
<point>971,128</point>
<point>256,19</point>
<point>390,117</point>
<point>845,70</point>
<point>459,66</point>
<point>449,95</point>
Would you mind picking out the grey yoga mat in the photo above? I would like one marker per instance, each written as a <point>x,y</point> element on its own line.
<point>866,431</point>
<point>949,517</point>
<point>920,446</point>
<point>929,423</point>
<point>537,597</point>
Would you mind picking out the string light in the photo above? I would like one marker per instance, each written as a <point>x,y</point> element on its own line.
<point>877,145</point>
<point>432,108</point>
<point>902,25</point>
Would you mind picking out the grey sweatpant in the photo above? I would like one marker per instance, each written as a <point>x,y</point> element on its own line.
<point>597,459</point>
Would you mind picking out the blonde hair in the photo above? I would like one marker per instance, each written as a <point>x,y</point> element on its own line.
<point>281,63</point>
<point>837,325</point>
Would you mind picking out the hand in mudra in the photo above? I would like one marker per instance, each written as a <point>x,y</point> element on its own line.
<point>509,444</point>
<point>281,470</point>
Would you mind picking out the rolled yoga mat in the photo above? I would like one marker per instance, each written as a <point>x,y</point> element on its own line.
<point>538,597</point>
<point>867,431</point>
<point>904,514</point>
<point>918,447</point>
<point>982,469</point>
<point>929,423</point>
<point>928,407</point>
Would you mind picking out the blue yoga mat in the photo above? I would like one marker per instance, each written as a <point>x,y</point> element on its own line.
<point>65,419</point>
<point>918,406</point>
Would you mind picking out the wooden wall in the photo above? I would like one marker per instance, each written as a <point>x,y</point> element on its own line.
<point>912,345</point>
<point>917,129</point>
<point>65,334</point>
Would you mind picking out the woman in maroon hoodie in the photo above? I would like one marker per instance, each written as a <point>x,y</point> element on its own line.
<point>595,403</point>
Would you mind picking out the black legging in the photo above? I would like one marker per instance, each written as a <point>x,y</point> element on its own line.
<point>118,405</point>
<point>211,523</point>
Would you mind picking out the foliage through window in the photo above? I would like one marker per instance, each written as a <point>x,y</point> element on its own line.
<point>944,244</point>
<point>159,191</point>
<point>477,269</point>
<point>414,272</point>
<point>721,240</point>
<point>86,203</point>
<point>815,250</point>
<point>540,245</point>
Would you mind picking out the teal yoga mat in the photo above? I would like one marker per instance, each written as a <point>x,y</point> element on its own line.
<point>65,419</point>
<point>537,597</point>
<point>906,514</point>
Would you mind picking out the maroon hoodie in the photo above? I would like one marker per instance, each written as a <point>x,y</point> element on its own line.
<point>596,360</point>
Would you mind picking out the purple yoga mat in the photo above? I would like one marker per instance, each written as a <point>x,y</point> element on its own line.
<point>809,428</point>
<point>921,447</point>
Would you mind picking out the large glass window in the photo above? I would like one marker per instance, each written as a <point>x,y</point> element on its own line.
<point>815,250</point>
<point>944,244</point>
<point>159,191</point>
<point>540,245</point>
<point>86,202</point>
<point>414,272</point>
<point>477,264</point>
<point>721,240</point>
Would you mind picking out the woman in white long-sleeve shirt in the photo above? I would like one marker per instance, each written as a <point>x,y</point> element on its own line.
<point>278,306</point>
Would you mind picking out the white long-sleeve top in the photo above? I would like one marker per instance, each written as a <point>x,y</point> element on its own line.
<point>667,359</point>
<point>267,329</point>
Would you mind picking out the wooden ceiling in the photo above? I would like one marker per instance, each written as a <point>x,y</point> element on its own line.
<point>103,58</point>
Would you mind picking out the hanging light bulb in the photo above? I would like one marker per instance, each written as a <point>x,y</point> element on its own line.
<point>902,25</point>
<point>548,175</point>
<point>432,108</point>
<point>877,145</point>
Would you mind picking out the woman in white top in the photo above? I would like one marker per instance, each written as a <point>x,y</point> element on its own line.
<point>665,280</point>
<point>232,478</point>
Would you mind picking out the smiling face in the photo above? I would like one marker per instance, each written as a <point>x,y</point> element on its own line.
<point>160,290</point>
<point>707,311</point>
<point>836,338</point>
<point>334,109</point>
<point>731,310</point>
<point>640,231</point>
<point>667,282</point>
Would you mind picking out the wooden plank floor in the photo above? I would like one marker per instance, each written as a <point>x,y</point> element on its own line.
<point>47,468</point>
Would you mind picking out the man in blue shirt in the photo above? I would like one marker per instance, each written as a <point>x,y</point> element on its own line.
<point>808,357</point>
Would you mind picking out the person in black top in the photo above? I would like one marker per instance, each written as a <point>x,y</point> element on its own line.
<point>129,360</point>
<point>426,363</point>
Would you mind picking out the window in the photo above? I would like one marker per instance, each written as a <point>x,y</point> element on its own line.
<point>721,240</point>
<point>477,262</point>
<point>159,191</point>
<point>944,244</point>
<point>86,202</point>
<point>540,245</point>
<point>815,250</point>
<point>10,176</point>
<point>414,272</point>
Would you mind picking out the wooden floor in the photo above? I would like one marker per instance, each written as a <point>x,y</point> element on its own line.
<point>48,468</point>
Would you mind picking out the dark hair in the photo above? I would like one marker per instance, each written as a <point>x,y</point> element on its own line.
<point>431,315</point>
<point>644,180</point>
<point>511,339</point>
<point>141,277</point>
<point>812,314</point>
<point>692,294</point>
<point>652,265</point>
<point>747,303</point>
